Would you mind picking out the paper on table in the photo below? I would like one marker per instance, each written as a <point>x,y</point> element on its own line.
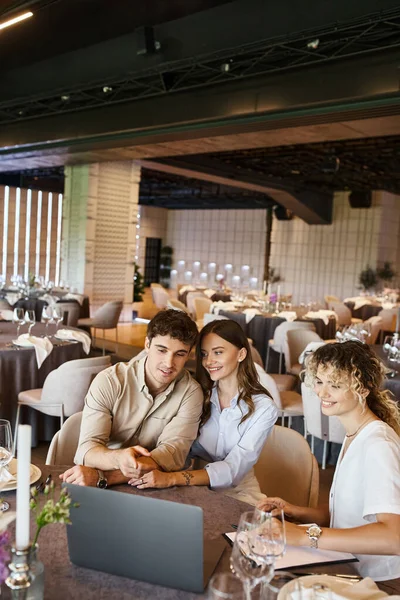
<point>297,556</point>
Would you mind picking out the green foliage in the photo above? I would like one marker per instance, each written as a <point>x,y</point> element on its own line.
<point>52,511</point>
<point>138,285</point>
<point>368,278</point>
<point>386,273</point>
<point>165,265</point>
<point>273,276</point>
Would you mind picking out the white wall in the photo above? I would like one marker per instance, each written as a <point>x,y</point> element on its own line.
<point>315,260</point>
<point>221,236</point>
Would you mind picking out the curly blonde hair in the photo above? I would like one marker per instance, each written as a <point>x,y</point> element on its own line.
<point>365,371</point>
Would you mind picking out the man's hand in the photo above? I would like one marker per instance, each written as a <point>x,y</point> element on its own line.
<point>154,479</point>
<point>80,475</point>
<point>131,463</point>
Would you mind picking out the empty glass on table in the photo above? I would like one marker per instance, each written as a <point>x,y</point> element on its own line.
<point>18,318</point>
<point>47,316</point>
<point>30,319</point>
<point>225,586</point>
<point>58,315</point>
<point>6,454</point>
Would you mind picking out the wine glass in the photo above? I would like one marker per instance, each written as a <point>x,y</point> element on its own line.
<point>58,315</point>
<point>6,452</point>
<point>225,586</point>
<point>18,318</point>
<point>387,344</point>
<point>30,318</point>
<point>46,318</point>
<point>244,563</point>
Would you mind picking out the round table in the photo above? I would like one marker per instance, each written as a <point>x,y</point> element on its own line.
<point>364,312</point>
<point>19,372</point>
<point>37,305</point>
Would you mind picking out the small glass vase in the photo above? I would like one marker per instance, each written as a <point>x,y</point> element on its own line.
<point>36,570</point>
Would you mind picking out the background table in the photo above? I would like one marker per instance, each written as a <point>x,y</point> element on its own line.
<point>391,383</point>
<point>65,581</point>
<point>37,305</point>
<point>19,371</point>
<point>364,312</point>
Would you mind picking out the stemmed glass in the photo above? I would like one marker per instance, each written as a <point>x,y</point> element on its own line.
<point>58,315</point>
<point>46,318</point>
<point>6,452</point>
<point>247,566</point>
<point>30,319</point>
<point>225,586</point>
<point>268,541</point>
<point>18,318</point>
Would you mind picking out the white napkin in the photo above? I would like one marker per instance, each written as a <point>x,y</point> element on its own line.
<point>366,589</point>
<point>78,297</point>
<point>251,313</point>
<point>209,293</point>
<point>43,346</point>
<point>79,336</point>
<point>359,301</point>
<point>6,477</point>
<point>388,305</point>
<point>187,288</point>
<point>12,298</point>
<point>288,315</point>
<point>311,347</point>
<point>319,314</point>
<point>49,299</point>
<point>6,315</point>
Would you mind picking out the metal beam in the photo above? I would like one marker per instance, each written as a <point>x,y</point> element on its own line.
<point>313,207</point>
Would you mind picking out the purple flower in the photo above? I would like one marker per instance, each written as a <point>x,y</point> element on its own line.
<point>4,555</point>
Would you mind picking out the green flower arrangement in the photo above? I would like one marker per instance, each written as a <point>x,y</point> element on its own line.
<point>53,511</point>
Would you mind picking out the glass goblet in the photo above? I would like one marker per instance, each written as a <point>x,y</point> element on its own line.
<point>6,452</point>
<point>268,540</point>
<point>225,586</point>
<point>58,315</point>
<point>18,318</point>
<point>46,318</point>
<point>30,319</point>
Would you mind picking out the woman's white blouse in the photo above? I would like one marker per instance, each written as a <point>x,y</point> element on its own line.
<point>233,448</point>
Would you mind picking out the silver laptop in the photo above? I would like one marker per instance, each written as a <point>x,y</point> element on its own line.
<point>126,534</point>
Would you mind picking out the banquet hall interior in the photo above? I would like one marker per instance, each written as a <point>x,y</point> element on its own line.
<point>232,159</point>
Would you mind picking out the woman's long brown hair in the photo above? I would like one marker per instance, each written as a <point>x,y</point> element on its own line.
<point>247,376</point>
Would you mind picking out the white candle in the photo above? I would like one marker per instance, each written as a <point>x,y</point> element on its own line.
<point>269,291</point>
<point>279,292</point>
<point>22,538</point>
<point>264,287</point>
<point>398,320</point>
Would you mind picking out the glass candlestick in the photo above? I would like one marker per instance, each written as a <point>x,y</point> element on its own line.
<point>19,579</point>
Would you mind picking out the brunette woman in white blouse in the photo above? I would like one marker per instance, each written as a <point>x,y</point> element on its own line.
<point>238,417</point>
<point>363,516</point>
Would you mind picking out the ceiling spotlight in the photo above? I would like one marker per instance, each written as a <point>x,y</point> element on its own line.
<point>313,45</point>
<point>107,89</point>
<point>21,112</point>
<point>225,67</point>
<point>65,98</point>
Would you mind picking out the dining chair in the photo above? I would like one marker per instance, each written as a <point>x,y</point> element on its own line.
<point>289,402</point>
<point>329,298</point>
<point>374,326</point>
<point>343,313</point>
<point>105,318</point>
<point>287,469</point>
<point>280,337</point>
<point>64,389</point>
<point>71,312</point>
<point>201,306</point>
<point>190,302</point>
<point>64,444</point>
<point>388,316</point>
<point>328,429</point>
<point>160,297</point>
<point>177,305</point>
<point>297,341</point>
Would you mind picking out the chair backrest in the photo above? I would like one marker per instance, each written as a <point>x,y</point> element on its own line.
<point>71,313</point>
<point>208,317</point>
<point>388,316</point>
<point>68,385</point>
<point>201,306</point>
<point>177,305</point>
<point>255,355</point>
<point>343,312</point>
<point>297,340</point>
<point>107,316</point>
<point>287,469</point>
<point>312,416</point>
<point>270,385</point>
<point>190,304</point>
<point>280,335</point>
<point>374,326</point>
<point>328,299</point>
<point>65,442</point>
<point>160,297</point>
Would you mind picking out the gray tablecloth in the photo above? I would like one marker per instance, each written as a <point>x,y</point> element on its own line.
<point>37,305</point>
<point>65,581</point>
<point>391,383</point>
<point>364,312</point>
<point>19,371</point>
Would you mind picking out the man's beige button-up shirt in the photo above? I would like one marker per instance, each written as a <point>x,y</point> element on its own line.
<point>120,412</point>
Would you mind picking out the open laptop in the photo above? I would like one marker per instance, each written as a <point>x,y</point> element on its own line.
<point>152,540</point>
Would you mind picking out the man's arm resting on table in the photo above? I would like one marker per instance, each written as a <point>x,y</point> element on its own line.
<point>89,476</point>
<point>133,461</point>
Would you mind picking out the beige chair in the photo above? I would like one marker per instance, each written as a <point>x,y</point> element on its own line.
<point>177,305</point>
<point>190,302</point>
<point>287,469</point>
<point>328,299</point>
<point>374,326</point>
<point>288,403</point>
<point>71,312</point>
<point>280,338</point>
<point>388,316</point>
<point>343,313</point>
<point>63,446</point>
<point>106,318</point>
<point>160,297</point>
<point>64,389</point>
<point>201,306</point>
<point>329,430</point>
<point>297,340</point>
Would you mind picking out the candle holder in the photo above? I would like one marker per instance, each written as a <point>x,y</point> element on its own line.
<point>20,578</point>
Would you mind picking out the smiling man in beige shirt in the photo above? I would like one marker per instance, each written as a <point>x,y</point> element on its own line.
<point>141,415</point>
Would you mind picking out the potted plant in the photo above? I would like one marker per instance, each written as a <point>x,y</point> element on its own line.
<point>138,291</point>
<point>368,279</point>
<point>166,265</point>
<point>386,273</point>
